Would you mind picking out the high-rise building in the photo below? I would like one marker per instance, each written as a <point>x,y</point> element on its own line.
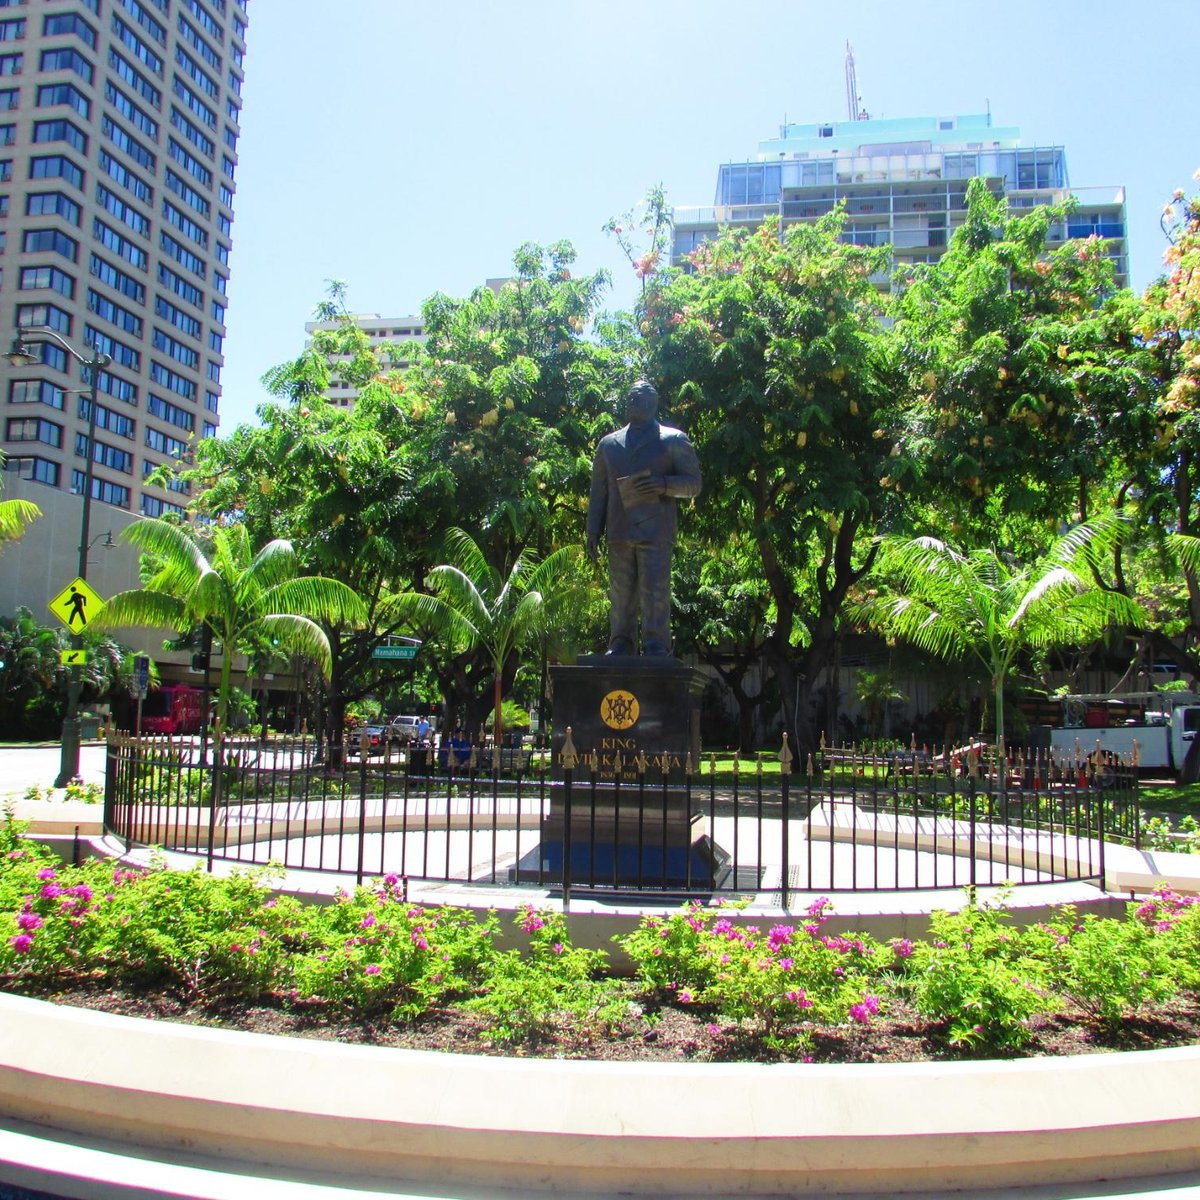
<point>119,124</point>
<point>903,182</point>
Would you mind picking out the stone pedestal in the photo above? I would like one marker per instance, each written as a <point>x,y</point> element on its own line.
<point>627,827</point>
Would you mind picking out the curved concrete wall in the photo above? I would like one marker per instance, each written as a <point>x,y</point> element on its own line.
<point>340,1111</point>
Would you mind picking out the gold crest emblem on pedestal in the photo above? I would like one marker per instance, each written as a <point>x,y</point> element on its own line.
<point>619,709</point>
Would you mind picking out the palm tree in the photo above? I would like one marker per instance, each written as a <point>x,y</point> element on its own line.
<point>15,515</point>
<point>474,604</point>
<point>213,579</point>
<point>980,605</point>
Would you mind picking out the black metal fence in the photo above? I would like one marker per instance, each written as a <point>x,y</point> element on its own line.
<point>848,821</point>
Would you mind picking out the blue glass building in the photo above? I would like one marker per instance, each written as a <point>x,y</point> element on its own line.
<point>903,182</point>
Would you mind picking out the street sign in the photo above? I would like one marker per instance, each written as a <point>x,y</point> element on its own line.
<point>141,673</point>
<point>75,604</point>
<point>395,653</point>
<point>72,658</point>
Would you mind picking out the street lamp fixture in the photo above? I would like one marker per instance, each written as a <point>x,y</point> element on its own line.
<point>21,354</point>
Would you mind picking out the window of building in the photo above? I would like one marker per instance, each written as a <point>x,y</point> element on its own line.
<point>164,410</point>
<point>197,43</point>
<point>126,213</point>
<point>36,391</point>
<point>104,455</point>
<point>40,470</point>
<point>66,59</point>
<point>116,279</point>
<point>69,24</point>
<point>102,489</point>
<point>133,113</point>
<point>155,506</point>
<point>60,131</point>
<point>202,143</point>
<point>140,14</point>
<point>192,165</point>
<point>55,166</point>
<point>11,64</point>
<point>108,419</point>
<point>210,26</point>
<point>118,388</point>
<point>181,320</point>
<point>126,142</point>
<point>51,241</point>
<point>184,224</point>
<point>193,102</point>
<point>180,286</point>
<point>166,344</point>
<point>182,255</point>
<point>49,95</point>
<point>49,315</point>
<point>35,278</point>
<point>120,352</point>
<point>113,313</point>
<point>195,72</point>
<point>112,240</point>
<point>164,443</point>
<point>54,357</point>
<point>10,98</point>
<point>188,194</point>
<point>136,80</point>
<point>33,429</point>
<point>12,30</point>
<point>136,46</point>
<point>212,402</point>
<point>117,170</point>
<point>217,312</point>
<point>52,204</point>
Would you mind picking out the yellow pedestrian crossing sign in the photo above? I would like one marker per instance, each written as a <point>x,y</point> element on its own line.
<point>75,605</point>
<point>72,658</point>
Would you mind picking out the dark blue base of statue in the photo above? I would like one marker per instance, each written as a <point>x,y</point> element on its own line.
<point>701,867</point>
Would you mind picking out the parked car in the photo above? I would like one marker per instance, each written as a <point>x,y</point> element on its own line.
<point>404,730</point>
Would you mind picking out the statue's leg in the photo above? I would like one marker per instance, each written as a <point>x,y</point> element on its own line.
<point>622,598</point>
<point>654,586</point>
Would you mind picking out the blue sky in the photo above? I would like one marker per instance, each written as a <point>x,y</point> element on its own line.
<point>409,148</point>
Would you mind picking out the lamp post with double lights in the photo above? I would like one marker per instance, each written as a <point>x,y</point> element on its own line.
<point>21,355</point>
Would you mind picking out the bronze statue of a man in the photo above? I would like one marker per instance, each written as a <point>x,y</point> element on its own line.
<point>638,474</point>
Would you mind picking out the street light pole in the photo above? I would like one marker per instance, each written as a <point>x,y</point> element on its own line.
<point>20,355</point>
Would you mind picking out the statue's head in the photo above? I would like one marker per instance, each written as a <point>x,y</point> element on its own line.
<point>641,403</point>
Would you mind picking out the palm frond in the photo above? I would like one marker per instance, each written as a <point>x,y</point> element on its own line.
<point>296,634</point>
<point>318,597</point>
<point>141,607</point>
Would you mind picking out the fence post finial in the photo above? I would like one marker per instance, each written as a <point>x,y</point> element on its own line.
<point>785,756</point>
<point>569,756</point>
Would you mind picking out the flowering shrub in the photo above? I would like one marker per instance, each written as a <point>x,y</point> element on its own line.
<point>1106,968</point>
<point>774,980</point>
<point>524,995</point>
<point>1177,920</point>
<point>374,950</point>
<point>973,975</point>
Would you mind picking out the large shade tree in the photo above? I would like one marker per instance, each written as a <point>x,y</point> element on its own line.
<point>768,350</point>
<point>1015,354</point>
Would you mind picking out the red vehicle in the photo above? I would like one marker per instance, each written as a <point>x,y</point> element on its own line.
<point>175,708</point>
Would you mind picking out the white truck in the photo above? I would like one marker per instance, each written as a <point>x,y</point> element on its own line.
<point>1160,726</point>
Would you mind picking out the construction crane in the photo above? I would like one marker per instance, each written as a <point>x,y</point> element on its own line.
<point>854,109</point>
